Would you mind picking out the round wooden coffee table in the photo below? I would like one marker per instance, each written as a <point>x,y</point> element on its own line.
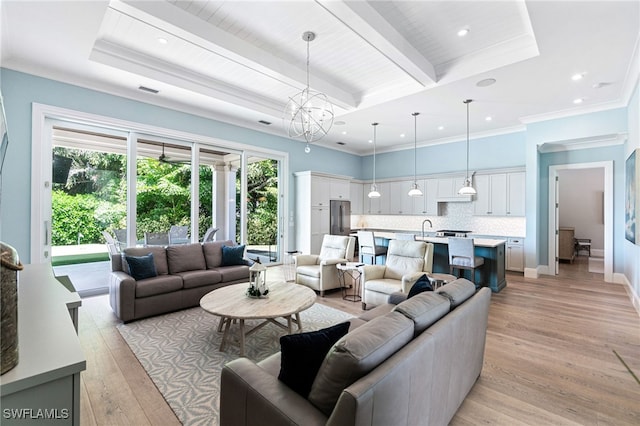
<point>232,304</point>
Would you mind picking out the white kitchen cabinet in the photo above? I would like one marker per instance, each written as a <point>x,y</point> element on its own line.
<point>356,196</point>
<point>516,194</point>
<point>491,197</point>
<point>320,190</point>
<point>313,195</point>
<point>428,203</point>
<point>515,254</point>
<point>499,194</point>
<point>379,205</point>
<point>448,187</point>
<point>399,200</point>
<point>339,189</point>
<point>319,227</point>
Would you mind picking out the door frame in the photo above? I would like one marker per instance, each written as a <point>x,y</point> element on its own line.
<point>41,144</point>
<point>608,214</point>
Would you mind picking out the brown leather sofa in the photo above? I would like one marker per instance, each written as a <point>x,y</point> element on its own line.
<point>406,364</point>
<point>185,273</point>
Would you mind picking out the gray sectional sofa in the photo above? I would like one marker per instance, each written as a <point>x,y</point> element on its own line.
<point>407,364</point>
<point>184,273</point>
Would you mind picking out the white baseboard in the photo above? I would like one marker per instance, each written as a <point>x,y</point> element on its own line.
<point>635,299</point>
<point>597,253</point>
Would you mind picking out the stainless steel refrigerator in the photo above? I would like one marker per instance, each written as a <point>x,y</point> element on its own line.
<point>340,217</point>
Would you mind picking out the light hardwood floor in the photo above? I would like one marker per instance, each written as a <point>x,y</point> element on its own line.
<point>549,358</point>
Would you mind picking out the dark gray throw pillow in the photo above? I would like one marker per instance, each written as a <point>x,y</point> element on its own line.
<point>302,355</point>
<point>423,284</point>
<point>141,267</point>
<point>233,255</point>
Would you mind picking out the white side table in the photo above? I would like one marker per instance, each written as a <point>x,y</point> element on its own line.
<point>353,271</point>
<point>438,280</point>
<point>288,267</point>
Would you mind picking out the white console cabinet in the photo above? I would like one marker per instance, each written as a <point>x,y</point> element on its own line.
<point>46,380</point>
<point>515,254</point>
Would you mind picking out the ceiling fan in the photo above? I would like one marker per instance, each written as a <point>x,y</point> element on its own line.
<point>165,159</point>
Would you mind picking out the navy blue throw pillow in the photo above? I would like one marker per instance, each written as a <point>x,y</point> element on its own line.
<point>233,255</point>
<point>423,284</point>
<point>302,355</point>
<point>141,267</point>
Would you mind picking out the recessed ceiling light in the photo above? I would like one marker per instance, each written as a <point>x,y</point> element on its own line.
<point>344,132</point>
<point>339,123</point>
<point>402,135</point>
<point>162,40</point>
<point>488,118</point>
<point>578,101</point>
<point>577,77</point>
<point>370,140</point>
<point>440,127</point>
<point>486,82</point>
<point>340,143</point>
<point>265,122</point>
<point>600,84</point>
<point>463,32</point>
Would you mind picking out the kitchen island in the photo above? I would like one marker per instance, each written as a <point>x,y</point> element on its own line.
<point>492,250</point>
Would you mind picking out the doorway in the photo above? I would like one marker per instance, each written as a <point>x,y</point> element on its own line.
<point>580,218</point>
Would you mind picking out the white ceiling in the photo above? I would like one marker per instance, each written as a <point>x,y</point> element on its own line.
<point>239,61</point>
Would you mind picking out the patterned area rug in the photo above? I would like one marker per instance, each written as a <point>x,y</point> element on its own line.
<point>180,353</point>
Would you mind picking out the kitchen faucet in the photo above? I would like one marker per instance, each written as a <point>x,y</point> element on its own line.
<point>430,226</point>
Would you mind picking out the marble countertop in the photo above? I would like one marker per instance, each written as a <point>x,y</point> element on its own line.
<point>481,242</point>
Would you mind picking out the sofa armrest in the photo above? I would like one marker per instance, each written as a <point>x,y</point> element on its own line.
<point>397,297</point>
<point>332,262</point>
<point>306,259</point>
<point>249,395</point>
<point>122,295</point>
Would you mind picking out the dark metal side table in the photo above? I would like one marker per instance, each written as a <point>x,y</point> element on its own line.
<point>353,271</point>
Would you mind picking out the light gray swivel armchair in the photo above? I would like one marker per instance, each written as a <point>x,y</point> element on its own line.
<point>319,271</point>
<point>462,257</point>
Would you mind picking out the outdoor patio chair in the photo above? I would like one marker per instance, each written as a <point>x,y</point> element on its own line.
<point>208,236</point>
<point>156,239</point>
<point>179,235</point>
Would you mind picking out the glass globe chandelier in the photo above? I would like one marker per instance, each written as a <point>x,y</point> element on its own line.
<point>468,188</point>
<point>308,114</point>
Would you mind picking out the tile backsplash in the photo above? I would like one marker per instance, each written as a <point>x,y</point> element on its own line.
<point>458,216</point>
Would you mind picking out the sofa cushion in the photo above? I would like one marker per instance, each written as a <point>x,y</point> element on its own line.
<point>199,278</point>
<point>213,252</point>
<point>403,258</point>
<point>457,291</point>
<point>158,285</point>
<point>233,255</point>
<point>141,267</point>
<point>421,285</point>
<point>424,309</point>
<point>309,270</point>
<point>334,247</point>
<point>376,312</point>
<point>185,257</point>
<point>234,273</point>
<point>303,353</point>
<point>356,354</point>
<point>384,285</point>
<point>159,258</point>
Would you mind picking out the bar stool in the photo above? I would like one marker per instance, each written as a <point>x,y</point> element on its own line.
<point>368,247</point>
<point>461,256</point>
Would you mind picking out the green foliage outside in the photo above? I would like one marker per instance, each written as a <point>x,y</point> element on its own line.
<point>94,198</point>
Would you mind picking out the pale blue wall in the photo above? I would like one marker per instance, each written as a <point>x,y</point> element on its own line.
<point>612,153</point>
<point>21,90</point>
<point>450,157</point>
<point>567,129</point>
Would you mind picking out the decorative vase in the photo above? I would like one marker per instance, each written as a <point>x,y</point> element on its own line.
<point>257,281</point>
<point>9,268</point>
